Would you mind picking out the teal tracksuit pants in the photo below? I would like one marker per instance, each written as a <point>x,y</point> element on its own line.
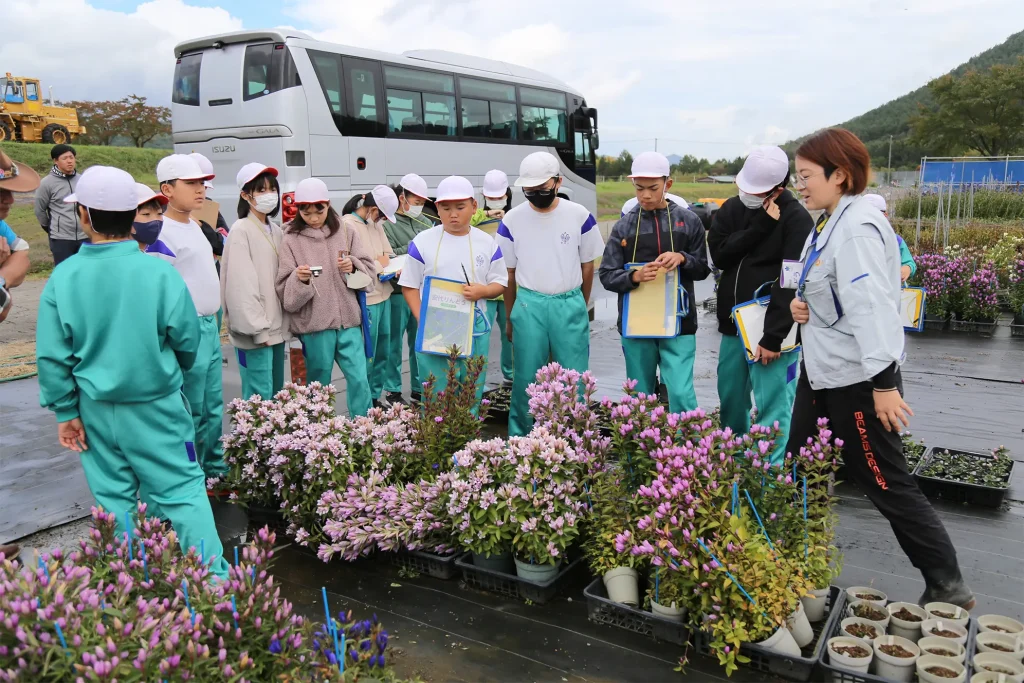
<point>403,326</point>
<point>432,364</point>
<point>545,327</point>
<point>773,386</point>
<point>148,450</point>
<point>496,318</point>
<point>346,348</point>
<point>204,391</point>
<point>674,356</point>
<point>262,370</point>
<point>380,334</point>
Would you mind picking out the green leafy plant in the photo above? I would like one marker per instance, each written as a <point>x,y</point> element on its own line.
<point>480,502</point>
<point>970,469</point>
<point>913,451</point>
<point>613,510</point>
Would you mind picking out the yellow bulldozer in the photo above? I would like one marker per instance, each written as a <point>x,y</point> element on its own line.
<point>25,116</point>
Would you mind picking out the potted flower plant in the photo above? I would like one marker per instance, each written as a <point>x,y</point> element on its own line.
<point>613,510</point>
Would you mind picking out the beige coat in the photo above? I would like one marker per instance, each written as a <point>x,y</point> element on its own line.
<point>248,273</point>
<point>376,241</point>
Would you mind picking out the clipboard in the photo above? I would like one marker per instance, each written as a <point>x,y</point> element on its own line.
<point>394,267</point>
<point>446,318</point>
<point>749,318</point>
<point>208,213</point>
<point>364,317</point>
<point>655,309</point>
<point>912,300</point>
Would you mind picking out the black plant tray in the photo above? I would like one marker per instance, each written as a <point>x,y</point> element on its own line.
<point>971,327</point>
<point>601,610</point>
<point>847,676</point>
<point>935,324</point>
<point>498,413</point>
<point>957,491</point>
<point>1017,326</point>
<point>437,566</point>
<point>787,666</point>
<point>261,516</point>
<point>511,585</point>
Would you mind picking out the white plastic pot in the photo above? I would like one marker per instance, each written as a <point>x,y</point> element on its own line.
<point>668,611</point>
<point>621,584</point>
<point>1000,664</point>
<point>926,662</point>
<point>895,668</point>
<point>961,617</point>
<point>996,623</point>
<point>985,641</point>
<point>782,642</point>
<point>800,627</point>
<point>846,662</point>
<point>989,677</point>
<point>814,605</point>
<point>911,630</point>
<point>874,595</point>
<point>958,652</point>
<point>883,623</point>
<point>851,621</point>
<point>942,625</point>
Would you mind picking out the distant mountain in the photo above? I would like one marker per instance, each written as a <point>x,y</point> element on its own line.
<point>893,118</point>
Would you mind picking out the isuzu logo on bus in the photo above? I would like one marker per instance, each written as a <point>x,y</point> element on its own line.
<point>222,149</point>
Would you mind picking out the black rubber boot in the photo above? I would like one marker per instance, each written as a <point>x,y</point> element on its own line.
<point>953,590</point>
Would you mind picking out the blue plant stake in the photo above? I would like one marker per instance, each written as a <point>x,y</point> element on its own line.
<point>202,551</point>
<point>234,610</point>
<point>236,555</point>
<point>60,636</point>
<point>340,656</point>
<point>733,578</point>
<point>343,654</point>
<point>735,497</point>
<point>145,567</point>
<point>46,572</point>
<point>188,603</point>
<point>327,611</point>
<point>757,516</point>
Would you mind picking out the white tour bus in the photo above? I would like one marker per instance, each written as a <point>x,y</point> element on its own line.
<point>358,118</point>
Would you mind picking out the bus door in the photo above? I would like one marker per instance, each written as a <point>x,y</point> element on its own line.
<point>365,124</point>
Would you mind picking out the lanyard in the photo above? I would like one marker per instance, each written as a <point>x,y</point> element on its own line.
<point>671,239</point>
<point>472,263</point>
<point>814,252</point>
<point>264,233</point>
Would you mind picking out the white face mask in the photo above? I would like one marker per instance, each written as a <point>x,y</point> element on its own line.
<point>413,211</point>
<point>266,202</point>
<point>751,201</point>
<point>495,204</point>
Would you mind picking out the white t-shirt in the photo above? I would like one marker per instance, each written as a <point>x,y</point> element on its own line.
<point>192,256</point>
<point>437,253</point>
<point>547,249</point>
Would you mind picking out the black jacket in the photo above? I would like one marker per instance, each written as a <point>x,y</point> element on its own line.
<point>748,246</point>
<point>687,238</point>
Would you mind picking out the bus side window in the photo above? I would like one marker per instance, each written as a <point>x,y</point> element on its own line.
<point>186,79</point>
<point>544,115</point>
<point>363,98</point>
<point>256,71</point>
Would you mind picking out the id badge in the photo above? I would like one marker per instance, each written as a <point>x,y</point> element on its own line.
<point>789,278</point>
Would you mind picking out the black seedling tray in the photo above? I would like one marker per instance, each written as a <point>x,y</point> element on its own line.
<point>957,491</point>
<point>511,585</point>
<point>601,610</point>
<point>437,566</point>
<point>498,411</point>
<point>787,666</point>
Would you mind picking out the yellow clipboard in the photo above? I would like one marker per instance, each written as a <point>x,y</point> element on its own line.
<point>749,318</point>
<point>653,310</point>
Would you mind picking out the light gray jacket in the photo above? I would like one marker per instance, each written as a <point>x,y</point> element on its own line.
<point>852,287</point>
<point>58,219</point>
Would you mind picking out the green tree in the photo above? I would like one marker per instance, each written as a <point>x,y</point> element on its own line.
<point>981,111</point>
<point>104,120</point>
<point>142,121</point>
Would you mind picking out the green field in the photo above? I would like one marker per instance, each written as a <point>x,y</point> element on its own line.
<point>141,163</point>
<point>611,195</point>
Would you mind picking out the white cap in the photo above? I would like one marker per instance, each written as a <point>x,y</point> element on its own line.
<point>651,165</point>
<point>495,183</point>
<point>386,200</point>
<point>675,199</point>
<point>147,195</point>
<point>412,183</point>
<point>206,165</point>
<point>765,168</point>
<point>250,171</point>
<point>312,191</point>
<point>877,201</point>
<point>537,168</point>
<point>454,188</point>
<point>180,167</point>
<point>105,188</point>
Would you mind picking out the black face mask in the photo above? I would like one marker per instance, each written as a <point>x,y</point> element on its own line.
<point>542,199</point>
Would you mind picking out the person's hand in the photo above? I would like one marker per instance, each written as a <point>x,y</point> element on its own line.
<point>645,274</point>
<point>892,409</point>
<point>905,273</point>
<point>801,313</point>
<point>474,292</point>
<point>345,264</point>
<point>508,330</point>
<point>303,273</point>
<point>670,260</point>
<point>771,208</point>
<point>495,213</point>
<point>7,308</point>
<point>72,435</point>
<point>765,356</point>
<point>5,249</point>
<point>383,260</point>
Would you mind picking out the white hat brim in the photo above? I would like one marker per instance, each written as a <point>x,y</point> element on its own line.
<point>533,181</point>
<point>741,182</point>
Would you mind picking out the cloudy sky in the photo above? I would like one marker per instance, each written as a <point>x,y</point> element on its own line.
<point>706,77</point>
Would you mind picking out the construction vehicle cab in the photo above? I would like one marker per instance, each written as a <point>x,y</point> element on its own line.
<point>25,115</point>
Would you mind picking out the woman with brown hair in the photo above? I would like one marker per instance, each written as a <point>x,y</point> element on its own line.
<point>847,305</point>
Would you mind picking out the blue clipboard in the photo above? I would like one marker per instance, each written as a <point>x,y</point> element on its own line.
<point>912,303</point>
<point>364,316</point>
<point>680,300</point>
<point>451,320</point>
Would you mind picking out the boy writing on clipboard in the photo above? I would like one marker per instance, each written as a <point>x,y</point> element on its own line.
<point>665,237</point>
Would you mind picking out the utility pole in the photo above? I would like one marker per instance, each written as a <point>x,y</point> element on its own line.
<point>890,161</point>
<point>655,144</point>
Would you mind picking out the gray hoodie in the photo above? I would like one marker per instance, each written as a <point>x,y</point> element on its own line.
<point>852,287</point>
<point>58,219</point>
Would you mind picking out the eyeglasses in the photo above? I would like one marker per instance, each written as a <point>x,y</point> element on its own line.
<point>801,180</point>
<point>312,209</point>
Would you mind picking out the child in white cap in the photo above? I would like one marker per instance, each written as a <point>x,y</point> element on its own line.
<point>257,324</point>
<point>366,214</point>
<point>149,220</point>
<point>455,250</point>
<point>111,369</point>
<point>907,265</point>
<point>497,202</point>
<point>550,245</point>
<point>666,237</point>
<point>181,181</point>
<point>321,258</point>
<point>409,221</point>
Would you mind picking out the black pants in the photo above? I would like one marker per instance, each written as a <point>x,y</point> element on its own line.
<point>64,249</point>
<point>875,463</point>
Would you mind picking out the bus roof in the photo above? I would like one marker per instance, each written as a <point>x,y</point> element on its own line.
<point>453,61</point>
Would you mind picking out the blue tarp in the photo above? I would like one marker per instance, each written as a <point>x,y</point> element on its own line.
<point>970,170</point>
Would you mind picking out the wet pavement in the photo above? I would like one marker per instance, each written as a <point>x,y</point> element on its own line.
<point>966,391</point>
